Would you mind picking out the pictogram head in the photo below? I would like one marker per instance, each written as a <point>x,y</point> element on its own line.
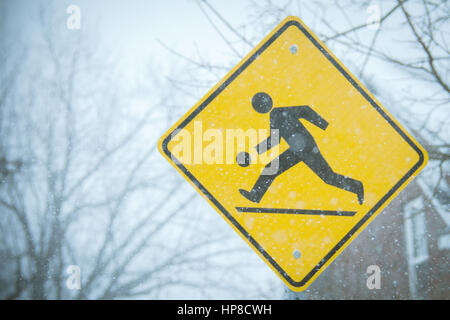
<point>262,102</point>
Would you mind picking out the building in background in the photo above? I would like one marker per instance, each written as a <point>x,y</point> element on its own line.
<point>410,243</point>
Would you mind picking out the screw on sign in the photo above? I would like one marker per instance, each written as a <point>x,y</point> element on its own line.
<point>314,156</point>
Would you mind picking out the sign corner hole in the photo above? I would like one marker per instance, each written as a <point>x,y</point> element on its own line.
<point>293,49</point>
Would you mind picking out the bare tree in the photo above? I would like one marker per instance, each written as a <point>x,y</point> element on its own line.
<point>422,55</point>
<point>82,183</point>
<point>410,38</point>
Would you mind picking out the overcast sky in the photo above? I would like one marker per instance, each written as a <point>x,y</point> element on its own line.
<point>132,31</point>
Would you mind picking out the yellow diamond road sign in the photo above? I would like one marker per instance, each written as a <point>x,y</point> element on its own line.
<point>294,153</point>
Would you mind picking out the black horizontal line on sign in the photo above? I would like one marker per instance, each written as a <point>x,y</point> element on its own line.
<point>297,211</point>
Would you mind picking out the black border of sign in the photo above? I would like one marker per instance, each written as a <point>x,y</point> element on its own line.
<point>230,217</point>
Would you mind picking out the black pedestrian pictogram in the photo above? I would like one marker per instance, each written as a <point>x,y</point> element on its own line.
<point>284,123</point>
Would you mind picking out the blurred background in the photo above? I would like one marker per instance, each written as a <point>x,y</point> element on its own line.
<point>90,210</point>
